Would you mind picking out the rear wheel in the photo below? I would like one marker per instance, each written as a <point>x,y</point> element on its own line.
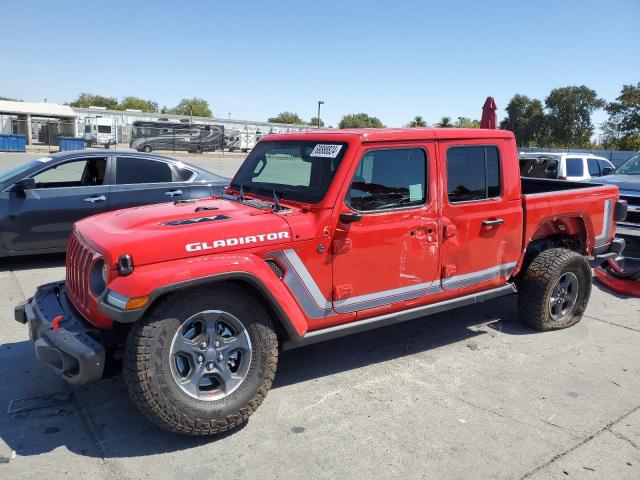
<point>201,361</point>
<point>147,148</point>
<point>554,290</point>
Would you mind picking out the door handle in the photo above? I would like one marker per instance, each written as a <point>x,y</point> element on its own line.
<point>494,222</point>
<point>173,193</point>
<point>100,198</point>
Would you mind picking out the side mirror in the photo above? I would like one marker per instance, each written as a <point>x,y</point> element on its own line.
<point>607,171</point>
<point>350,217</point>
<point>24,184</point>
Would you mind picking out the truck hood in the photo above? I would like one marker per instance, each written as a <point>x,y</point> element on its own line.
<point>623,182</point>
<point>171,231</point>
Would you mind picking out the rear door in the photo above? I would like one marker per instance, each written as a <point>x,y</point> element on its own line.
<point>482,213</point>
<point>42,218</point>
<point>142,181</point>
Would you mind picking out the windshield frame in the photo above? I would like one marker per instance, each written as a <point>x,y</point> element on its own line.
<point>628,160</point>
<point>287,192</point>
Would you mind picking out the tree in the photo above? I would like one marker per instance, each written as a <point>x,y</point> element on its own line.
<point>465,122</point>
<point>314,122</point>
<point>197,107</point>
<point>525,118</point>
<point>10,99</point>
<point>287,117</point>
<point>417,122</point>
<point>86,100</point>
<point>622,129</point>
<point>445,122</point>
<point>569,112</point>
<point>136,103</point>
<point>360,120</point>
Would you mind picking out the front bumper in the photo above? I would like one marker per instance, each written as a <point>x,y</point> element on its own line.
<point>62,338</point>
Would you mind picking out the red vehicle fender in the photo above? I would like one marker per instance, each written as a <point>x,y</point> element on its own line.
<point>155,280</point>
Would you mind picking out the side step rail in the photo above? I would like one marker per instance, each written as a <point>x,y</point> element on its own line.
<point>399,317</point>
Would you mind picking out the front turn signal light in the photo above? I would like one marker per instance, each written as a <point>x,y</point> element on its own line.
<point>136,302</point>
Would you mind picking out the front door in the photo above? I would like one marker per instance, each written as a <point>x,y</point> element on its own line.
<point>42,218</point>
<point>385,248</point>
<point>481,213</point>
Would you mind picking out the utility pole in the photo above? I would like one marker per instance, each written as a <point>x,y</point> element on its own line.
<point>320,102</point>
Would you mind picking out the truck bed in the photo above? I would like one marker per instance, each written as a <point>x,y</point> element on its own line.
<point>545,200</point>
<point>533,186</point>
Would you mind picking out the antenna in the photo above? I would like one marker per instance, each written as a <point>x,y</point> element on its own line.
<point>276,201</point>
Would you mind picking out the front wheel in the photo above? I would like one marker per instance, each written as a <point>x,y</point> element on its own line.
<point>554,290</point>
<point>202,361</point>
<point>147,149</point>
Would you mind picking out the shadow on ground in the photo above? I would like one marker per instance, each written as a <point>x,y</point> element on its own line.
<point>99,420</point>
<point>31,262</point>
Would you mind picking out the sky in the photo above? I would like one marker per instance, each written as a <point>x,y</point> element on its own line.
<point>393,60</point>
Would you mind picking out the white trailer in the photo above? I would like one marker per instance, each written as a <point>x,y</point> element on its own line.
<point>100,131</point>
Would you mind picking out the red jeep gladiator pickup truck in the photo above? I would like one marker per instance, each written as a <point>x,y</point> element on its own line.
<point>320,234</point>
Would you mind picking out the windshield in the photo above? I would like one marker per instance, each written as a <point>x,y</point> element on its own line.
<point>631,166</point>
<point>7,175</point>
<point>295,170</point>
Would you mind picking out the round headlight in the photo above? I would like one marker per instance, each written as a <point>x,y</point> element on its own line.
<point>98,277</point>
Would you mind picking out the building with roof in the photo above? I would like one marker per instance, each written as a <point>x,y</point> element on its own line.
<point>33,118</point>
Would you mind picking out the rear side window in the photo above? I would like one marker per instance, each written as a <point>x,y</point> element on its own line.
<point>575,167</point>
<point>592,165</point>
<point>386,179</point>
<point>104,129</point>
<point>141,170</point>
<point>473,173</point>
<point>185,173</point>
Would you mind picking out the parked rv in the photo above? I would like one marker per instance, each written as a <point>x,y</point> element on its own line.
<point>100,131</point>
<point>165,135</point>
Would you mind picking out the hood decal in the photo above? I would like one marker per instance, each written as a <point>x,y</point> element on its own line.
<point>232,242</point>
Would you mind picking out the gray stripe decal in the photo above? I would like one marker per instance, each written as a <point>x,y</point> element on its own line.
<point>302,285</point>
<point>388,296</point>
<point>476,277</point>
<point>306,291</point>
<point>606,223</point>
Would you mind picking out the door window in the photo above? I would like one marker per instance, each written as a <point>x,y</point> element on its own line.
<point>141,170</point>
<point>388,179</point>
<point>592,166</point>
<point>575,167</point>
<point>473,173</point>
<point>605,164</point>
<point>79,173</point>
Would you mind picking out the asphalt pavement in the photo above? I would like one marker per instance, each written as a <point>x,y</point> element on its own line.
<point>465,394</point>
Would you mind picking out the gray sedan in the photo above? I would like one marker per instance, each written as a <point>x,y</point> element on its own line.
<point>41,199</point>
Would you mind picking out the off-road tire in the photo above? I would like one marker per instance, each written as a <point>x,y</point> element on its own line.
<point>536,284</point>
<point>147,371</point>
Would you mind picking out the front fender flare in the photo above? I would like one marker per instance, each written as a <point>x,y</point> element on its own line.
<point>157,280</point>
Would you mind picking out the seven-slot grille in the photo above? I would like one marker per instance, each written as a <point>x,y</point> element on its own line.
<point>79,260</point>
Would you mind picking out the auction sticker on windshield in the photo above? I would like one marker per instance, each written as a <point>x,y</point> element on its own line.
<point>326,151</point>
